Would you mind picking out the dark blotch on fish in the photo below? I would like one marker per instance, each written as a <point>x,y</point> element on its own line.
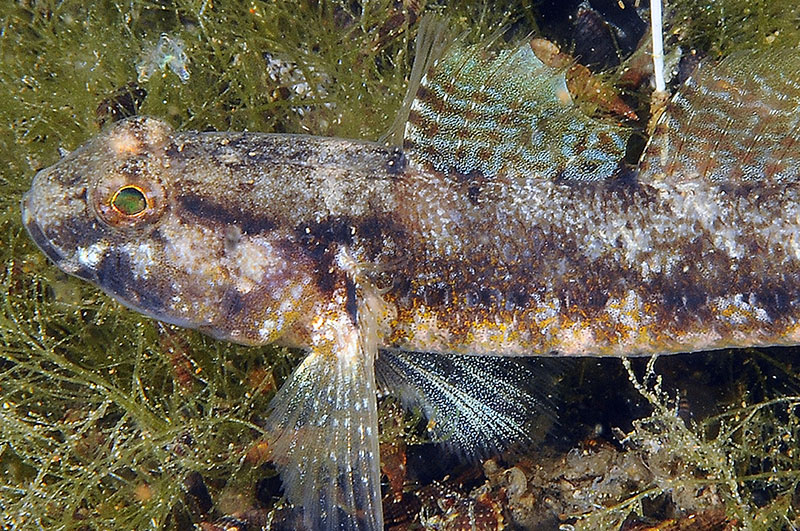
<point>115,275</point>
<point>351,304</point>
<point>397,162</point>
<point>207,209</point>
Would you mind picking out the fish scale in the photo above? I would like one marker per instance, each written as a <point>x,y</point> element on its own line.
<point>505,226</point>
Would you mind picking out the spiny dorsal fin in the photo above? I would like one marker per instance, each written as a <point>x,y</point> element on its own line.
<point>433,38</point>
<point>506,113</point>
<point>733,122</point>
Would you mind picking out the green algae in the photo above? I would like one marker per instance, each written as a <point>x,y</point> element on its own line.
<point>743,460</point>
<point>101,422</point>
<point>720,28</point>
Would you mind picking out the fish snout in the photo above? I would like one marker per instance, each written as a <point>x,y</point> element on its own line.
<point>59,222</point>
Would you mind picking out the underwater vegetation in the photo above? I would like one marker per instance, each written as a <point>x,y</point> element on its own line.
<point>110,421</point>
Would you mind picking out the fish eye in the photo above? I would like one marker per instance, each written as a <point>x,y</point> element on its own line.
<point>130,201</point>
<point>125,202</point>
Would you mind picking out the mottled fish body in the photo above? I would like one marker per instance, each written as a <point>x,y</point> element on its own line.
<point>506,225</point>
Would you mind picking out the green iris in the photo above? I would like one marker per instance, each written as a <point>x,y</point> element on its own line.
<point>129,201</point>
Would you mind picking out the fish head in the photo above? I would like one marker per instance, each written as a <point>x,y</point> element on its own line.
<point>118,212</point>
<point>105,194</point>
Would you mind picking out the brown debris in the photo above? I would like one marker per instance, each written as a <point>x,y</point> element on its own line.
<point>393,466</point>
<point>452,510</point>
<point>172,341</point>
<point>581,83</point>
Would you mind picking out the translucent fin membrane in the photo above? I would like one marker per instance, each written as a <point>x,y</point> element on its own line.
<point>325,428</point>
<point>738,121</point>
<point>506,113</point>
<point>477,404</point>
<point>432,38</point>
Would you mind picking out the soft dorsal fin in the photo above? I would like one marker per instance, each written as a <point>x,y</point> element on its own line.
<point>506,113</point>
<point>733,122</point>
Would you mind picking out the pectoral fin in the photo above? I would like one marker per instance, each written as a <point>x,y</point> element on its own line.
<point>324,430</point>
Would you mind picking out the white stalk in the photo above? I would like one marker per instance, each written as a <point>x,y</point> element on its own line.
<point>658,45</point>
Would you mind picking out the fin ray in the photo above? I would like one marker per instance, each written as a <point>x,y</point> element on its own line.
<point>732,122</point>
<point>506,113</point>
<point>477,404</point>
<point>432,41</point>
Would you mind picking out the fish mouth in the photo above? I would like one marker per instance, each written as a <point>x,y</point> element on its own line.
<point>36,233</point>
<point>45,244</point>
